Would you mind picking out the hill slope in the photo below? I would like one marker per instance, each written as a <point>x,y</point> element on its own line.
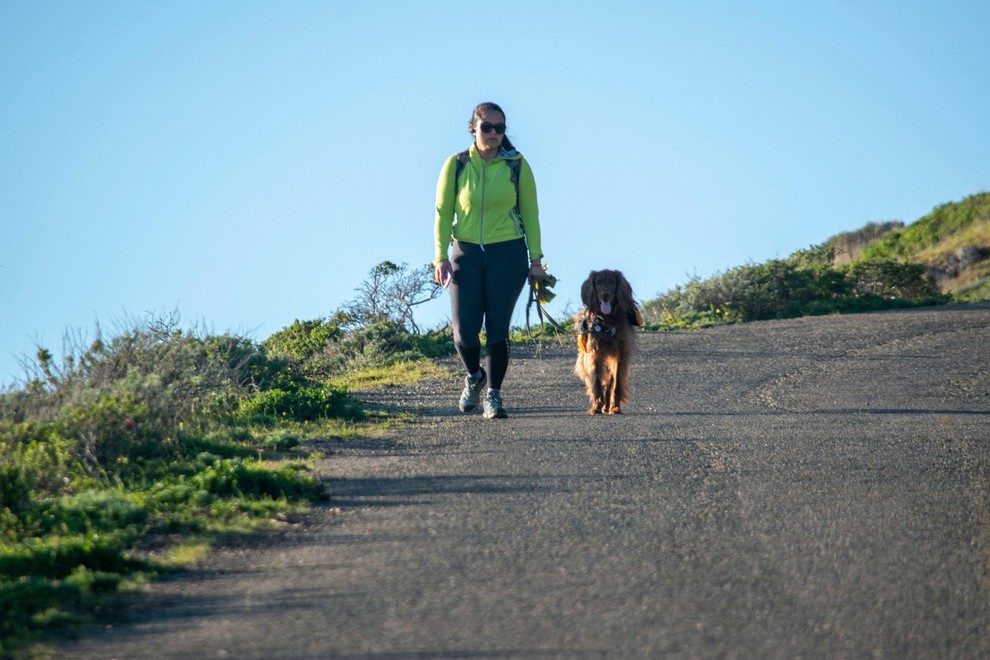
<point>944,256</point>
<point>952,243</point>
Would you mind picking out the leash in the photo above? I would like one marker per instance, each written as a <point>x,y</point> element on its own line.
<point>539,293</point>
<point>542,314</point>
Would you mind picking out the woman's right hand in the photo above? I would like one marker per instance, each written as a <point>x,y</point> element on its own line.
<point>443,273</point>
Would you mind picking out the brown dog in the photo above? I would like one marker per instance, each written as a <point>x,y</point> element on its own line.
<point>606,340</point>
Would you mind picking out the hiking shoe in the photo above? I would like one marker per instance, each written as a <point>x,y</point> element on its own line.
<point>493,407</point>
<point>472,391</point>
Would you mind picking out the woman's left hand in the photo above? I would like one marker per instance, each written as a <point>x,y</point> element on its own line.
<point>536,274</point>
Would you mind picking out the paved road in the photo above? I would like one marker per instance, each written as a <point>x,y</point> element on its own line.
<point>806,488</point>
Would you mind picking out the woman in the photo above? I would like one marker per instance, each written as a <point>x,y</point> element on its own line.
<point>494,242</point>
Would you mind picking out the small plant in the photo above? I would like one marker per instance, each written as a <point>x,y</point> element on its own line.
<point>281,441</point>
<point>303,403</point>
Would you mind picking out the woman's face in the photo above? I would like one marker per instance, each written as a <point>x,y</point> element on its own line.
<point>491,140</point>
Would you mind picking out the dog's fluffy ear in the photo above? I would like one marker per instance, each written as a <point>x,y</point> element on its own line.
<point>624,293</point>
<point>588,291</point>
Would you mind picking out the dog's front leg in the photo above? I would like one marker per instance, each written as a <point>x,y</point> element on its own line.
<point>613,395</point>
<point>598,392</point>
<point>597,396</point>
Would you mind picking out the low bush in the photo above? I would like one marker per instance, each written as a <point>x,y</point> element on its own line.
<point>246,478</point>
<point>302,404</point>
<point>804,284</point>
<point>302,347</point>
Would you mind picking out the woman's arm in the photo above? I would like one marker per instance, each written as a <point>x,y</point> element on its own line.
<point>444,219</point>
<point>530,211</point>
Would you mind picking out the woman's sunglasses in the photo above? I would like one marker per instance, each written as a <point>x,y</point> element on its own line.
<point>488,127</point>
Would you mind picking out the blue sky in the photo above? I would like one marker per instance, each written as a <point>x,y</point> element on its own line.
<point>246,163</point>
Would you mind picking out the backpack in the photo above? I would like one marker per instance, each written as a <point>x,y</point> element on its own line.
<point>514,166</point>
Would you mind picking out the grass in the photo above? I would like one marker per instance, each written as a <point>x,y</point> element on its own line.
<point>72,552</point>
<point>400,374</point>
<point>974,286</point>
<point>977,234</point>
<point>63,554</point>
<point>186,553</point>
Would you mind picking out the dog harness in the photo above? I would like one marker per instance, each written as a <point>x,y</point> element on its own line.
<point>598,325</point>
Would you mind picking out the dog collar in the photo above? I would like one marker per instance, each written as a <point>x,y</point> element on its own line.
<point>598,325</point>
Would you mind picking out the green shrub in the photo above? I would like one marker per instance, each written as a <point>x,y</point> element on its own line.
<point>804,284</point>
<point>302,404</point>
<point>35,458</point>
<point>380,343</point>
<point>173,375</point>
<point>434,344</point>
<point>303,340</point>
<point>245,478</point>
<point>98,511</point>
<point>33,602</point>
<point>851,243</point>
<point>281,441</point>
<point>889,279</point>
<point>57,557</point>
<point>324,349</point>
<point>86,580</point>
<point>15,489</point>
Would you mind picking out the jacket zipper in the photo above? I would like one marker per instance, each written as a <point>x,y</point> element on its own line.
<point>484,183</point>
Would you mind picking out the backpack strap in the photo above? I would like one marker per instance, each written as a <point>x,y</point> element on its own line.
<point>514,166</point>
<point>462,159</point>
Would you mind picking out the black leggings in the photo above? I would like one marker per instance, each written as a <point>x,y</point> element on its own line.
<point>484,289</point>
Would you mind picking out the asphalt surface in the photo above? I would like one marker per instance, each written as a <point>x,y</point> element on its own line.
<point>807,488</point>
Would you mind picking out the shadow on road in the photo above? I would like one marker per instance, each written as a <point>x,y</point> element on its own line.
<point>380,491</point>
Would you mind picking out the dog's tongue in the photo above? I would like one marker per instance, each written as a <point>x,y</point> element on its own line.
<point>606,308</point>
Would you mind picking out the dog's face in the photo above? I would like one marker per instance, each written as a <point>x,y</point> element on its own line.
<point>606,292</point>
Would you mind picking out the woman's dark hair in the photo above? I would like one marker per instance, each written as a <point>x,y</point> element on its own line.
<point>487,107</point>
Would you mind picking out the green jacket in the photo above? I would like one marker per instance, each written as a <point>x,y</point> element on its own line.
<point>485,204</point>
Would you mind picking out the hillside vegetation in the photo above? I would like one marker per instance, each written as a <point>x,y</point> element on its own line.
<point>952,243</point>
<point>130,454</point>
<point>942,257</point>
